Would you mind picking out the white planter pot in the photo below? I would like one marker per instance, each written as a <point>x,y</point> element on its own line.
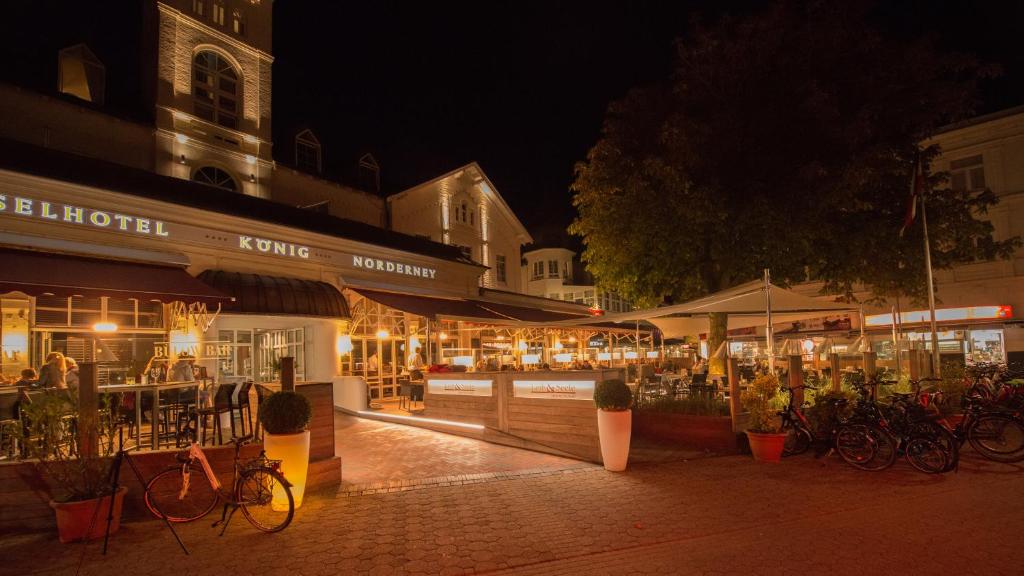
<point>293,452</point>
<point>614,430</point>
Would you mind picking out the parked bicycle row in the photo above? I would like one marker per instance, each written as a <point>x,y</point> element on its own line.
<point>920,426</point>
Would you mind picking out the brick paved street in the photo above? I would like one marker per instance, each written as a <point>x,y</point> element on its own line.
<point>373,451</point>
<point>723,515</point>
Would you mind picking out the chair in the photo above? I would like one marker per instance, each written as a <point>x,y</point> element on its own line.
<point>404,395</point>
<point>222,404</point>
<point>261,394</point>
<point>10,419</point>
<point>244,407</point>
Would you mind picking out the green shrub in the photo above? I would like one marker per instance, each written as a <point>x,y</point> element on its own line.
<point>760,400</point>
<point>824,411</point>
<point>285,412</point>
<point>613,395</point>
<point>692,405</point>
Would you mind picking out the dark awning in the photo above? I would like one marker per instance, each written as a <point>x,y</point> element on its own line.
<point>481,311</point>
<point>259,294</point>
<point>429,306</point>
<point>63,275</point>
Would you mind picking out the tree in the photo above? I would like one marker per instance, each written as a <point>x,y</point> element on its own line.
<point>783,140</point>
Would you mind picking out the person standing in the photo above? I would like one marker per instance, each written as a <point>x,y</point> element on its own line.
<point>52,374</point>
<point>71,377</point>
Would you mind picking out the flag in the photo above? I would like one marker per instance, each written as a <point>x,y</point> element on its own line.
<point>916,190</point>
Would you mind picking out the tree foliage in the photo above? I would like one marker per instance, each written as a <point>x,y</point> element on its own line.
<point>783,140</point>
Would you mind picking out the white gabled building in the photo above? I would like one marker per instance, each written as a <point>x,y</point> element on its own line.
<point>463,208</point>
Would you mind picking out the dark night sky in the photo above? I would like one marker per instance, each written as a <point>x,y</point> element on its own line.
<point>522,87</point>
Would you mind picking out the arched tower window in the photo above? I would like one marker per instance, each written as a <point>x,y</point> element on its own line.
<point>215,89</point>
<point>213,176</point>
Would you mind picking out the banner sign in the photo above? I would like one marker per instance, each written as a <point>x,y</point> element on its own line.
<point>554,389</point>
<point>460,387</point>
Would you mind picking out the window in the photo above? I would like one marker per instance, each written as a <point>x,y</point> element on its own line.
<point>199,7</point>
<point>82,75</point>
<point>238,23</point>
<point>212,176</point>
<point>553,296</point>
<point>218,13</point>
<point>463,213</point>
<point>967,174</point>
<point>565,270</point>
<point>499,266</point>
<point>307,152</point>
<point>538,271</point>
<point>215,89</point>
<point>552,268</point>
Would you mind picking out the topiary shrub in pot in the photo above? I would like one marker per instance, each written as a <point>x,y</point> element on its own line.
<point>285,416</point>
<point>766,443</point>
<point>614,422</point>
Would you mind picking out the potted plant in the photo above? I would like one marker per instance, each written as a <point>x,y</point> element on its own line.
<point>614,422</point>
<point>78,485</point>
<point>285,416</point>
<point>766,443</point>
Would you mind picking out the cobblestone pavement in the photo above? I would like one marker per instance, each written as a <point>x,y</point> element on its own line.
<point>372,451</point>
<point>724,515</point>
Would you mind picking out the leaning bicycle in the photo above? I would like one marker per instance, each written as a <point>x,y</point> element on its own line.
<point>190,490</point>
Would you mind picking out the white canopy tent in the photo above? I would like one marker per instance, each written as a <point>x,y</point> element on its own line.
<point>746,306</point>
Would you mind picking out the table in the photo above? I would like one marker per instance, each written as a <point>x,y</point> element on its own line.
<point>155,390</point>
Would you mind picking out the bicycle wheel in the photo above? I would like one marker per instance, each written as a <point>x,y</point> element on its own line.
<point>865,447</point>
<point>998,437</point>
<point>943,437</point>
<point>168,494</point>
<point>256,492</point>
<point>798,440</point>
<point>926,455</point>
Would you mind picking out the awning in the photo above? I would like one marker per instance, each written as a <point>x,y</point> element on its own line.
<point>745,306</point>
<point>430,307</point>
<point>469,310</point>
<point>260,294</point>
<point>63,275</point>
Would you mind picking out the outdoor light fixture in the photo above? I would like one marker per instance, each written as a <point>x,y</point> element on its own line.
<point>250,159</point>
<point>344,344</point>
<point>252,178</point>
<point>181,138</point>
<point>523,347</point>
<point>572,338</point>
<point>443,335</point>
<point>383,334</point>
<point>182,159</point>
<point>104,327</point>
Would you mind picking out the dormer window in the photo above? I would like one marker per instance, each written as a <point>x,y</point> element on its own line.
<point>218,13</point>
<point>307,152</point>
<point>82,75</point>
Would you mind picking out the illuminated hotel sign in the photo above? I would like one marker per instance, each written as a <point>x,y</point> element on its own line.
<point>47,211</point>
<point>554,389</point>
<point>382,265</point>
<point>460,387</point>
<point>56,212</point>
<point>275,247</point>
<point>944,315</point>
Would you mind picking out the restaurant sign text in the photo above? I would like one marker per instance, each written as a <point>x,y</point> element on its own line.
<point>554,389</point>
<point>460,387</point>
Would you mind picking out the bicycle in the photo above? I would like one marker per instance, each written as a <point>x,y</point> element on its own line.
<point>859,444</point>
<point>190,490</point>
<point>995,434</point>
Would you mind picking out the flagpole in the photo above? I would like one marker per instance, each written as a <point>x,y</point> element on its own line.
<point>768,320</point>
<point>931,291</point>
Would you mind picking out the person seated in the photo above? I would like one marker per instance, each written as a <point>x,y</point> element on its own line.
<point>29,377</point>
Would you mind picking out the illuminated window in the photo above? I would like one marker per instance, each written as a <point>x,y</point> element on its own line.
<point>967,174</point>
<point>238,23</point>
<point>215,89</point>
<point>218,13</point>
<point>82,75</point>
<point>213,176</point>
<point>307,152</point>
<point>538,270</point>
<point>552,268</point>
<point>199,7</point>
<point>499,267</point>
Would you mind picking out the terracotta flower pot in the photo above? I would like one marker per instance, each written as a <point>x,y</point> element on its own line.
<point>74,518</point>
<point>766,447</point>
<point>293,452</point>
<point>614,430</point>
